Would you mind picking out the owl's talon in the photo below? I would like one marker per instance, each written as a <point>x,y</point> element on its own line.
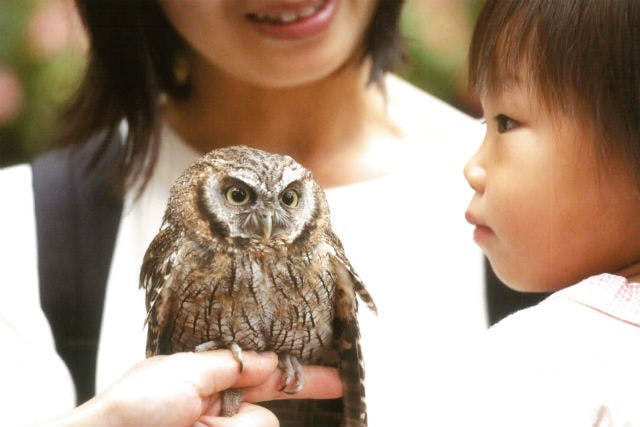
<point>237,354</point>
<point>285,365</point>
<point>293,374</point>
<point>236,351</point>
<point>205,346</point>
<point>299,375</point>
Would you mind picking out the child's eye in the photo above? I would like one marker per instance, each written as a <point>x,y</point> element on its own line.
<point>505,123</point>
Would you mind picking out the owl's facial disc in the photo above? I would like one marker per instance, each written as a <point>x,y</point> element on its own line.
<point>257,208</point>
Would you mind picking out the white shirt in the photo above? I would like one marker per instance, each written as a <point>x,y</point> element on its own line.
<point>34,381</point>
<point>405,234</point>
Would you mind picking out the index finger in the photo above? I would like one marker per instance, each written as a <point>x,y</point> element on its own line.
<point>217,370</point>
<point>321,383</point>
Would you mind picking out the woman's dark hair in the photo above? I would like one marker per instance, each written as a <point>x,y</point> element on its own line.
<point>582,56</point>
<point>133,50</point>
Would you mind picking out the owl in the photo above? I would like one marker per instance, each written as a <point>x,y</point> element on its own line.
<point>245,259</point>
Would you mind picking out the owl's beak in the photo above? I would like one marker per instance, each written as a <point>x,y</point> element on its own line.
<point>267,225</point>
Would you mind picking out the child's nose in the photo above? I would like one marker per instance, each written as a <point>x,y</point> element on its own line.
<point>475,174</point>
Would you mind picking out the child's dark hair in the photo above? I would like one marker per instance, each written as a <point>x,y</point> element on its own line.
<point>132,59</point>
<point>582,56</point>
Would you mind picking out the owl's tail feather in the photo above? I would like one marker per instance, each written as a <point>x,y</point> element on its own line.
<point>347,333</point>
<point>352,372</point>
<point>306,413</point>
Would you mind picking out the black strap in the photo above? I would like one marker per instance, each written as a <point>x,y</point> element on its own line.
<point>502,301</point>
<point>77,218</point>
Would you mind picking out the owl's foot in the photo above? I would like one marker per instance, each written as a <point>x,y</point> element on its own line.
<point>293,374</point>
<point>230,402</point>
<point>231,398</point>
<point>235,350</point>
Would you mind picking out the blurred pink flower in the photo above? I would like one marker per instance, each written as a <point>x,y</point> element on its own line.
<point>11,95</point>
<point>54,27</point>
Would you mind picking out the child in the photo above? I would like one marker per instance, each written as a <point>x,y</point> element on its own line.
<point>557,207</point>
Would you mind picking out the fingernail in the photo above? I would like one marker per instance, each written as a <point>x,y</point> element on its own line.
<point>268,355</point>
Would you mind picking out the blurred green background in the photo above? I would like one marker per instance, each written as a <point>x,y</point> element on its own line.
<point>42,55</point>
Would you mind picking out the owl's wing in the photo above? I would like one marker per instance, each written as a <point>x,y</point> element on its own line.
<point>358,285</point>
<point>156,275</point>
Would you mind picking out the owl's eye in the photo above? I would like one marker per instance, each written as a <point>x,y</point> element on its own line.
<point>290,198</point>
<point>237,195</point>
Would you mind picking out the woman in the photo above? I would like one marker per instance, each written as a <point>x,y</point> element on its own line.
<point>309,79</point>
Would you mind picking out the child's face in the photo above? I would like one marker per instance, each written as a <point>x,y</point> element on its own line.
<point>547,211</point>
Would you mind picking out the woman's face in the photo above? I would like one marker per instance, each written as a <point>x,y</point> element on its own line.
<point>272,43</point>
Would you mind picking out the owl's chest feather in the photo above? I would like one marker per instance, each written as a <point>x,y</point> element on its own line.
<point>275,301</point>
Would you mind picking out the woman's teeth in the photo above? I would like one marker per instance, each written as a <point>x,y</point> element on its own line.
<point>286,17</point>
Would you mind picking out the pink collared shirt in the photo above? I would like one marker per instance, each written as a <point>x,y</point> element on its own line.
<point>572,360</point>
<point>609,294</point>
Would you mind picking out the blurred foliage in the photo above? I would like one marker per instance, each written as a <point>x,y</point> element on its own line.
<point>41,60</point>
<point>438,33</point>
<point>40,63</point>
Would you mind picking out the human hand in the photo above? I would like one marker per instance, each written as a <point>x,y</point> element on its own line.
<point>182,390</point>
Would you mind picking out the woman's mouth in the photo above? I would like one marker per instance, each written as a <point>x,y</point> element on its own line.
<point>287,21</point>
